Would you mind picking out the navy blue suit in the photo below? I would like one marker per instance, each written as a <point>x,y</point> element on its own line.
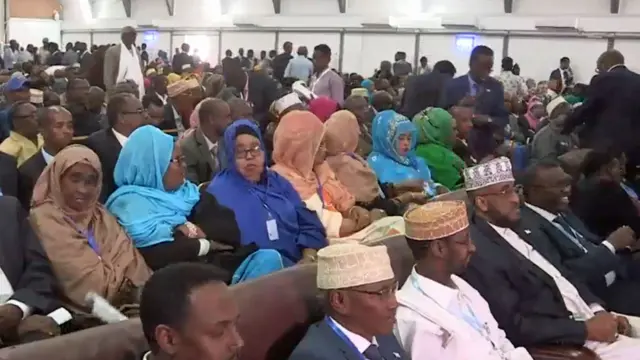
<point>489,101</point>
<point>322,343</point>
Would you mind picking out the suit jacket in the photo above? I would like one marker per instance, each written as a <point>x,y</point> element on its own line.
<point>112,65</point>
<point>523,298</point>
<point>24,261</point>
<point>610,96</point>
<point>8,175</point>
<point>322,343</point>
<point>263,91</point>
<point>106,145</point>
<point>28,174</point>
<point>200,163</point>
<point>423,91</point>
<point>179,60</point>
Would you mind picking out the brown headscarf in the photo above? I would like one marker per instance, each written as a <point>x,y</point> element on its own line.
<point>342,134</point>
<point>62,231</point>
<point>295,144</point>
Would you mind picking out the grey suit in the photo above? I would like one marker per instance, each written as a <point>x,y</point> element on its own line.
<point>322,343</point>
<point>112,65</point>
<point>201,165</point>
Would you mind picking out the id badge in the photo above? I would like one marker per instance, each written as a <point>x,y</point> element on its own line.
<point>272,229</point>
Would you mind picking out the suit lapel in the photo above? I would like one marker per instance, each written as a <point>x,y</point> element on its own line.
<point>389,347</point>
<point>563,243</point>
<point>347,351</point>
<point>204,150</point>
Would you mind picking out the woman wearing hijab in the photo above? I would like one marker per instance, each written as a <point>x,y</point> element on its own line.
<point>369,85</point>
<point>300,156</point>
<point>154,202</point>
<point>323,107</point>
<point>342,134</point>
<point>393,158</point>
<point>88,250</point>
<point>268,210</point>
<point>436,138</point>
<point>535,112</point>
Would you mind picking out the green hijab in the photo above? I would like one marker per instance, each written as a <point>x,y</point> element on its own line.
<point>435,126</point>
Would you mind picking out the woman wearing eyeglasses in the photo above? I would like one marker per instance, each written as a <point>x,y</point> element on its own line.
<point>268,210</point>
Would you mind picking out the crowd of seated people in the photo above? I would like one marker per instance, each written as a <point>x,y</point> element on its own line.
<point>240,174</point>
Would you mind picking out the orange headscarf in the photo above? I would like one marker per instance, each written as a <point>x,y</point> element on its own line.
<point>295,144</point>
<point>342,133</point>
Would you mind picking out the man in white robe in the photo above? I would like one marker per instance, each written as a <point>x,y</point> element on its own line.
<point>536,301</point>
<point>440,316</point>
<point>122,62</point>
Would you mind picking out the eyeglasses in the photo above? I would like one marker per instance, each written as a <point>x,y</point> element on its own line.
<point>384,293</point>
<point>244,153</point>
<point>139,112</point>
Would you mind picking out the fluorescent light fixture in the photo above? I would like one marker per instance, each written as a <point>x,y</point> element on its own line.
<point>559,25</point>
<point>243,24</point>
<point>468,23</point>
<point>377,23</point>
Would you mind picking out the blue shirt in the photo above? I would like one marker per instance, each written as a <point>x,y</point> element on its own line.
<point>474,87</point>
<point>300,68</point>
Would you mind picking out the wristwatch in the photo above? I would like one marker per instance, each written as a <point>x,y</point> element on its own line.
<point>193,230</point>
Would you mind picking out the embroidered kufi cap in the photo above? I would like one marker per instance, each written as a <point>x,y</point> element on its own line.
<point>286,102</point>
<point>360,92</point>
<point>181,86</point>
<point>347,265</point>
<point>36,96</point>
<point>493,172</point>
<point>436,220</point>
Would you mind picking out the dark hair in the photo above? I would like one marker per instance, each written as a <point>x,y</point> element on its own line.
<point>287,44</point>
<point>324,49</point>
<point>445,67</point>
<point>13,110</point>
<point>72,83</point>
<point>527,177</point>
<point>150,99</point>
<point>564,58</point>
<point>480,50</point>
<point>597,159</point>
<point>507,64</point>
<point>423,58</point>
<point>184,47</point>
<point>228,52</point>
<point>115,105</point>
<point>165,298</point>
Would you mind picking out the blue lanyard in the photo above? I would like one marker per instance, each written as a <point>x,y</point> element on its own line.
<point>92,241</point>
<point>320,190</point>
<point>344,337</point>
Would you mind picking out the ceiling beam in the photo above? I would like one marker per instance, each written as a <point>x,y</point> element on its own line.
<point>277,6</point>
<point>127,7</point>
<point>225,6</point>
<point>94,8</point>
<point>171,6</point>
<point>508,6</point>
<point>615,6</point>
<point>342,5</point>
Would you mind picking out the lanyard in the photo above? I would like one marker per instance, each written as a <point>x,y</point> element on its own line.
<point>315,82</point>
<point>569,232</point>
<point>320,194</point>
<point>344,337</point>
<point>470,318</point>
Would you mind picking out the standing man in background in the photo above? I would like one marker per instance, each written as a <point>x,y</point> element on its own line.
<point>325,82</point>
<point>281,61</point>
<point>401,67</point>
<point>563,74</point>
<point>122,62</point>
<point>43,52</point>
<point>300,67</point>
<point>182,59</point>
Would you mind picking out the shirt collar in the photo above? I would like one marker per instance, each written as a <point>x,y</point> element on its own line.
<point>500,230</point>
<point>210,144</point>
<point>358,341</point>
<point>48,158</point>
<point>441,294</point>
<point>20,138</point>
<point>542,212</point>
<point>121,138</point>
<point>147,356</point>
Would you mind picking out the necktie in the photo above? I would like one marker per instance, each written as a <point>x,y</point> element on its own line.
<point>373,353</point>
<point>573,235</point>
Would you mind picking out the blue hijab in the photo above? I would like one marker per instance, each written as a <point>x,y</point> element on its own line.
<point>273,198</point>
<point>368,84</point>
<point>141,204</point>
<point>389,166</point>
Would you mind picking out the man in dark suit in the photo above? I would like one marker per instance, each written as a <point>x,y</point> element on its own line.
<point>360,296</point>
<point>125,114</point>
<point>609,116</point>
<point>182,60</point>
<point>86,59</point>
<point>563,75</point>
<point>486,94</point>
<point>281,61</point>
<point>426,90</point>
<point>56,127</point>
<point>27,284</point>
<point>535,300</point>
<point>8,175</point>
<point>604,265</point>
<point>257,88</point>
<point>202,147</point>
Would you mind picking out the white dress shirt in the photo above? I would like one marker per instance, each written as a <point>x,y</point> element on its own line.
<point>570,295</point>
<point>6,291</point>
<point>609,277</point>
<point>121,138</point>
<point>48,158</point>
<point>358,341</point>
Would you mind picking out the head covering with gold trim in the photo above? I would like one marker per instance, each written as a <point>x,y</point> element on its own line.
<point>436,220</point>
<point>181,86</point>
<point>360,92</point>
<point>347,265</point>
<point>492,172</point>
<point>36,96</point>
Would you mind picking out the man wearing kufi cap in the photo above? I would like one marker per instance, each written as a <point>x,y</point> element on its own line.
<point>440,316</point>
<point>534,298</point>
<point>359,290</point>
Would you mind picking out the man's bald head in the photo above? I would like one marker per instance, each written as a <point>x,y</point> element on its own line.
<point>215,116</point>
<point>609,59</point>
<point>128,35</point>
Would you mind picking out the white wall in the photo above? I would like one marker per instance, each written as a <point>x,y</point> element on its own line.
<point>537,53</point>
